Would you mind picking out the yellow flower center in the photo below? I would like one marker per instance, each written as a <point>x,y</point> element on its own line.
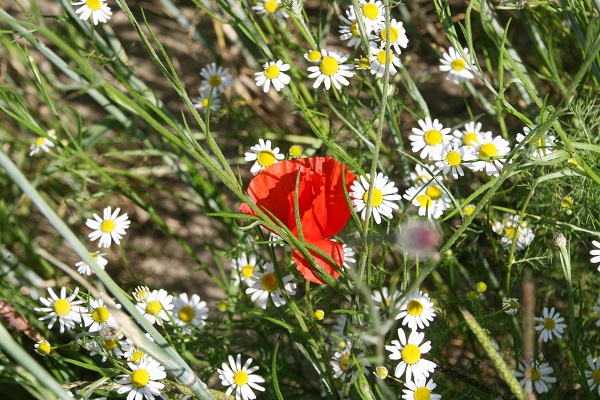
<point>468,210</point>
<point>415,308</point>
<point>141,294</point>
<point>272,72</point>
<point>422,393</point>
<point>470,139</point>
<point>393,34</point>
<point>154,307</point>
<point>107,226</point>
<point>549,324</point>
<point>222,306</point>
<point>433,137</point>
<point>94,5</point>
<point>44,347</point>
<point>110,344</point>
<point>411,354</point>
<point>247,271</point>
<point>269,282</point>
<point>385,303</point>
<point>62,307</point>
<point>511,232</point>
<point>39,141</point>
<point>364,63</point>
<point>595,374</point>
<point>488,150</point>
<point>314,55</point>
<point>481,287</point>
<point>424,201</point>
<point>295,151</point>
<point>434,192</point>
<point>370,11</point>
<point>354,29</point>
<point>186,313</point>
<point>329,66</point>
<point>345,362</point>
<point>458,64</point>
<point>205,102</point>
<point>214,81</point>
<point>535,375</point>
<point>381,57</point>
<point>137,356</point>
<point>266,158</point>
<point>240,378</point>
<point>271,6</point>
<point>381,372</point>
<point>140,378</point>
<point>319,315</point>
<point>567,202</point>
<point>453,158</point>
<point>100,314</point>
<point>376,198</point>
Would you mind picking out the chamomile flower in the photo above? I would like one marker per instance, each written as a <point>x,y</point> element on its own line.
<point>188,312</point>
<point>511,230</point>
<point>97,9</point>
<point>384,300</point>
<point>157,306</point>
<point>382,199</point>
<point>240,378</point>
<point>203,101</point>
<point>110,227</point>
<point>313,56</point>
<point>42,143</point>
<point>84,269</point>
<point>62,308</point>
<point>106,347</point>
<point>431,136</point>
<point>331,69</point>
<point>593,374</point>
<point>416,311</point>
<point>431,199</point>
<point>141,293</point>
<point>265,285</point>
<point>419,389</point>
<point>420,176</point>
<point>295,151</point>
<point>378,62</point>
<point>244,267</point>
<point>43,347</point>
<point>98,315</point>
<point>217,78</point>
<point>270,8</point>
<point>540,376</point>
<point>132,353</point>
<point>350,31</point>
<point>510,305</point>
<point>468,136</point>
<point>490,152</point>
<point>398,36</point>
<point>142,382</point>
<point>263,156</point>
<point>373,15</point>
<point>349,255</point>
<point>342,362</point>
<point>551,324</point>
<point>544,145</point>
<point>595,253</point>
<point>459,69</point>
<point>451,158</point>
<point>273,74</point>
<point>409,352</point>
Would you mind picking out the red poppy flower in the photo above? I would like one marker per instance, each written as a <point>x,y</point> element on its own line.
<point>322,204</point>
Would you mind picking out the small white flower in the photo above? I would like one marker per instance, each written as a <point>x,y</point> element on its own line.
<point>98,315</point>
<point>511,230</point>
<point>273,74</point>
<point>398,36</point>
<point>42,143</point>
<point>540,376</point>
<point>420,388</point>
<point>141,293</point>
<point>142,381</point>
<point>490,153</point>
<point>110,226</point>
<point>431,135</point>
<point>349,30</point>
<point>595,253</point>
<point>243,268</point>
<point>468,136</point>
<point>409,352</point>
<point>593,374</point>
<point>459,69</point>
<point>217,78</point>
<point>551,324</point>
<point>84,269</point>
<point>510,305</point>
<point>383,300</point>
<point>106,348</point>
<point>43,347</point>
<point>383,197</point>
<point>544,145</point>
<point>373,15</point>
<point>416,311</point>
<point>270,7</point>
<point>189,312</point>
<point>420,176</point>
<point>240,378</point>
<point>97,9</point>
<point>157,306</point>
<point>263,156</point>
<point>132,353</point>
<point>342,361</point>
<point>431,199</point>
<point>378,62</point>
<point>265,285</point>
<point>348,256</point>
<point>451,158</point>
<point>64,309</point>
<point>204,99</point>
<point>331,69</point>
<point>313,56</point>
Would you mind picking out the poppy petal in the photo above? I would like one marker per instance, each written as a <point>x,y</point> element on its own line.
<point>332,248</point>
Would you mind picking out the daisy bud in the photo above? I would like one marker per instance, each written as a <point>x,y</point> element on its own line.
<point>481,287</point>
<point>381,372</point>
<point>560,240</point>
<point>319,315</point>
<point>43,347</point>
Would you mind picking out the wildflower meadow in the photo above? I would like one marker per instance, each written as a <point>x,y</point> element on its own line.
<point>287,199</point>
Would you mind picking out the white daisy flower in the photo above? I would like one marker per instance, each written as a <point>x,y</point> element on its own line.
<point>431,199</point>
<point>373,15</point>
<point>240,378</point>
<point>273,74</point>
<point>111,226</point>
<point>510,305</point>
<point>540,376</point>
<point>459,69</point>
<point>141,293</point>
<point>512,229</point>
<point>98,315</point>
<point>451,158</point>
<point>189,312</point>
<point>378,62</point>
<point>217,78</point>
<point>420,176</point>
<point>349,30</point>
<point>342,361</point>
<point>331,69</point>
<point>64,309</point>
<point>416,311</point>
<point>431,135</point>
<point>243,268</point>
<point>409,352</point>
<point>487,151</point>
<point>42,143</point>
<point>468,136</point>
<point>270,8</point>
<point>202,102</point>
<point>384,300</point>
<point>420,388</point>
<point>398,36</point>
<point>263,156</point>
<point>551,324</point>
<point>593,374</point>
<point>265,285</point>
<point>382,199</point>
<point>84,269</point>
<point>157,306</point>
<point>97,9</point>
<point>313,56</point>
<point>107,348</point>
<point>132,353</point>
<point>544,145</point>
<point>43,347</point>
<point>595,253</point>
<point>142,381</point>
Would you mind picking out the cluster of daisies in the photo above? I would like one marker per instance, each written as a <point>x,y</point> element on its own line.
<point>215,80</point>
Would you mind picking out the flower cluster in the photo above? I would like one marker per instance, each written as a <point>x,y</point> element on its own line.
<point>215,80</point>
